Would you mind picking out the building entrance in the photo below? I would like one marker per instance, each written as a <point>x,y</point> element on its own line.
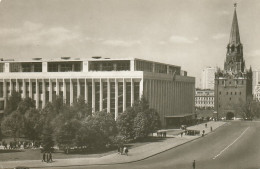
<point>229,115</point>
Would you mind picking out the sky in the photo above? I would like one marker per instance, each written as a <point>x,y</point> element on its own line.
<point>192,34</point>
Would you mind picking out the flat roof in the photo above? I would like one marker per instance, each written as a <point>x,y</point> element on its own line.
<point>72,59</point>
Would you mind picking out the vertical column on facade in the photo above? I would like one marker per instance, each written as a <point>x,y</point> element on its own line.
<point>132,92</point>
<point>64,91</point>
<point>179,99</point>
<point>86,91</point>
<point>78,88</point>
<point>30,88</point>
<point>57,88</point>
<point>5,93</point>
<point>24,89</point>
<point>17,86</point>
<point>11,87</point>
<point>50,90</point>
<point>151,92</point>
<point>37,94</point>
<point>100,95</point>
<point>124,95</point>
<point>43,93</point>
<point>108,95</point>
<point>93,96</point>
<point>71,92</point>
<point>141,88</point>
<point>116,99</point>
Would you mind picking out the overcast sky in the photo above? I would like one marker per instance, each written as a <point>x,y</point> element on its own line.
<point>190,33</point>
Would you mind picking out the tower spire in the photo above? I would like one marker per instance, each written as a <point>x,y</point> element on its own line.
<point>234,58</point>
<point>234,34</point>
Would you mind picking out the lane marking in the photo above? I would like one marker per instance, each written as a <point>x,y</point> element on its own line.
<point>231,143</point>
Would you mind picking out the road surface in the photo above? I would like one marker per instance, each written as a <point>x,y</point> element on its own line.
<point>236,145</point>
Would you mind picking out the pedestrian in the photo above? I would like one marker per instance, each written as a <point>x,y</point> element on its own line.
<point>121,149</point>
<point>47,157</point>
<point>194,164</point>
<point>43,157</point>
<point>50,157</point>
<point>206,125</point>
<point>118,149</point>
<point>181,134</point>
<point>211,128</point>
<point>126,151</point>
<point>203,132</point>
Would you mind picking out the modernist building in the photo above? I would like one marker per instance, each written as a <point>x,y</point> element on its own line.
<point>204,98</point>
<point>107,84</point>
<point>233,85</point>
<point>208,78</point>
<point>256,85</point>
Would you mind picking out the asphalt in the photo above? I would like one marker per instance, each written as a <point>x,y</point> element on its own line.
<point>135,154</point>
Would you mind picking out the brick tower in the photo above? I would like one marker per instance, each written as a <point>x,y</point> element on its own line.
<point>233,85</point>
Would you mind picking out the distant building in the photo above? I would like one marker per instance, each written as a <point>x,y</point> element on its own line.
<point>256,85</point>
<point>208,78</point>
<point>204,98</point>
<point>233,85</point>
<point>109,85</point>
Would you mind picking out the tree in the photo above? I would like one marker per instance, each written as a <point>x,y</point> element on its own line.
<point>33,124</point>
<point>13,124</point>
<point>82,108</point>
<point>138,120</point>
<point>125,123</point>
<point>248,110</point>
<point>25,104</point>
<point>12,103</point>
<point>154,120</point>
<point>141,125</point>
<point>47,137</point>
<point>66,134</point>
<point>96,131</point>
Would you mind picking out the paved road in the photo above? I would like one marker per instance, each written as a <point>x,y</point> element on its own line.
<point>233,146</point>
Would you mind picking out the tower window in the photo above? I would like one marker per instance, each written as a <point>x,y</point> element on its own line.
<point>219,93</point>
<point>227,93</point>
<point>230,98</point>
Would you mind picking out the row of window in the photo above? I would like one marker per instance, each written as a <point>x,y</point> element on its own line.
<point>237,82</point>
<point>231,93</point>
<point>204,102</point>
<point>204,98</point>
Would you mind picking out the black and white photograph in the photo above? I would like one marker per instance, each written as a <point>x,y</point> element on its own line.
<point>129,84</point>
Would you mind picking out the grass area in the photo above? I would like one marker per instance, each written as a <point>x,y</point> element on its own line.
<point>35,154</point>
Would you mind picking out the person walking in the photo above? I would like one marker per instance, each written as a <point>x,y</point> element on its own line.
<point>50,157</point>
<point>194,164</point>
<point>47,157</point>
<point>43,157</point>
<point>126,151</point>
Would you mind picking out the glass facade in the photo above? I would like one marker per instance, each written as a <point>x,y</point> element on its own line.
<point>115,65</point>
<point>112,98</point>
<point>97,96</point>
<point>42,96</point>
<point>104,100</point>
<point>120,97</point>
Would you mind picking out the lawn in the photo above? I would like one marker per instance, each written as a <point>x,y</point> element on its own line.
<point>35,154</point>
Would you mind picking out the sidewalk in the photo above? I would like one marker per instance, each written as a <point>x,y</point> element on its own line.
<point>135,154</point>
